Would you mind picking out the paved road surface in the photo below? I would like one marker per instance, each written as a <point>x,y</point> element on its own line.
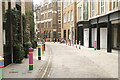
<point>67,62</point>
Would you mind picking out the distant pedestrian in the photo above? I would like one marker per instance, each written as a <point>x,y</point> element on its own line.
<point>54,40</point>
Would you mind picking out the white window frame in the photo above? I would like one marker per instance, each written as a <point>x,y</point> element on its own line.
<point>80,13</point>
<point>93,10</point>
<point>59,4</point>
<point>113,4</point>
<point>68,16</point>
<point>68,2</point>
<point>65,18</point>
<point>72,15</point>
<point>64,4</point>
<point>102,6</point>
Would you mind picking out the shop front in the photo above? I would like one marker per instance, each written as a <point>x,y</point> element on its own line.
<point>83,31</point>
<point>94,36</point>
<point>86,37</point>
<point>116,34</point>
<point>99,32</point>
<point>93,31</point>
<point>115,29</point>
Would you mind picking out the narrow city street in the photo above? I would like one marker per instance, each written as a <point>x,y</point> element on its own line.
<point>66,39</point>
<point>68,62</point>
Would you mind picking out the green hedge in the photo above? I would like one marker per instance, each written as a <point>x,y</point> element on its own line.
<point>34,44</point>
<point>26,48</point>
<point>18,55</point>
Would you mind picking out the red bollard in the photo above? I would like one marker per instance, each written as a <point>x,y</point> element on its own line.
<point>44,46</point>
<point>1,62</point>
<point>94,45</point>
<point>30,58</point>
<point>66,42</point>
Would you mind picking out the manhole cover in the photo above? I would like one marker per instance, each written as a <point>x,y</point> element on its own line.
<point>23,73</point>
<point>29,72</point>
<point>13,72</point>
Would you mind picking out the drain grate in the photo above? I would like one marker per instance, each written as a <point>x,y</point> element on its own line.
<point>13,72</point>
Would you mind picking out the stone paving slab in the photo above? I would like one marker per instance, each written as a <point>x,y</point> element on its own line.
<point>22,70</point>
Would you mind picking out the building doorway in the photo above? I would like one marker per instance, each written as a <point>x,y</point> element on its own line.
<point>65,34</point>
<point>103,38</point>
<point>86,37</point>
<point>116,36</point>
<point>94,35</point>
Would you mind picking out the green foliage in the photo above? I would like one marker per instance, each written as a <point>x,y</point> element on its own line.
<point>15,26</point>
<point>34,44</point>
<point>29,33</point>
<point>18,55</point>
<point>30,25</point>
<point>19,50</point>
<point>6,48</point>
<point>29,44</point>
<point>26,48</point>
<point>25,38</point>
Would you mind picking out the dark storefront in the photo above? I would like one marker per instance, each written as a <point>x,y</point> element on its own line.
<point>65,34</point>
<point>105,30</point>
<point>115,24</point>
<point>116,35</point>
<point>80,33</point>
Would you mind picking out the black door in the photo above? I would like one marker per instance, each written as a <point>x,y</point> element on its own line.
<point>65,34</point>
<point>80,35</point>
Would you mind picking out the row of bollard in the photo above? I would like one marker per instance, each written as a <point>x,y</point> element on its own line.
<point>69,43</point>
<point>57,40</point>
<point>30,58</point>
<point>41,49</point>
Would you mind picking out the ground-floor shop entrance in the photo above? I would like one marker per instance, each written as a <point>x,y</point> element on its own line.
<point>86,37</point>
<point>103,38</point>
<point>116,36</point>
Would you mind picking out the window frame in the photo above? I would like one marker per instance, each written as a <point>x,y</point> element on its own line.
<point>93,8</point>
<point>116,4</point>
<point>80,13</point>
<point>102,6</point>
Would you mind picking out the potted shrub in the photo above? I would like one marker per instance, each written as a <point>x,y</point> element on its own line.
<point>18,53</point>
<point>26,48</point>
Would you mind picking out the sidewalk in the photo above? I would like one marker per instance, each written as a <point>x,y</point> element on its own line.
<point>22,70</point>
<point>106,61</point>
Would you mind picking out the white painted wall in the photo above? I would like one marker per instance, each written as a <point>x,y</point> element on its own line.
<point>94,35</point>
<point>103,38</point>
<point>86,37</point>
<point>1,31</point>
<point>115,37</point>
